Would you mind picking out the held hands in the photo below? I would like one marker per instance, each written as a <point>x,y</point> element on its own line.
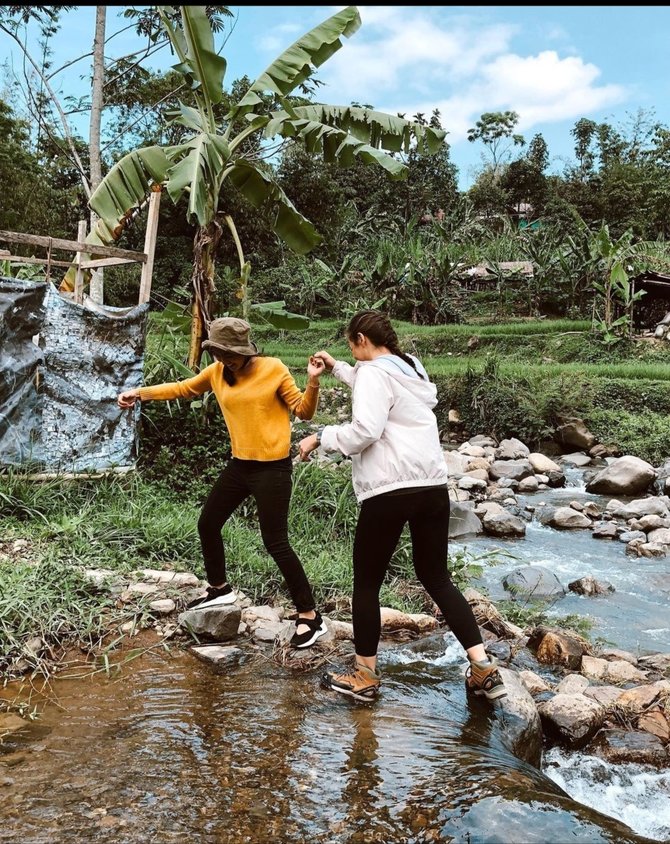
<point>128,398</point>
<point>306,446</point>
<point>328,360</point>
<point>315,368</point>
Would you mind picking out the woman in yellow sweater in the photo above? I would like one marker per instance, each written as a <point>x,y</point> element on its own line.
<point>256,394</point>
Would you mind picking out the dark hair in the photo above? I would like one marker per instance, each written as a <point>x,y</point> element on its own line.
<point>228,374</point>
<point>378,329</point>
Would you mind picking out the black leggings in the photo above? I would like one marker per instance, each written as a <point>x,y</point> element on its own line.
<point>270,484</point>
<point>380,524</point>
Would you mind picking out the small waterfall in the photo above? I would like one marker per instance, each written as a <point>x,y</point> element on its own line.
<point>629,792</point>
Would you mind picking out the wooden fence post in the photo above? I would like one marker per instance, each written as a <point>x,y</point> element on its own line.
<point>150,244</point>
<point>79,277</point>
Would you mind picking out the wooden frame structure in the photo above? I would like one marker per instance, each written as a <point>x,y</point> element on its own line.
<point>110,255</point>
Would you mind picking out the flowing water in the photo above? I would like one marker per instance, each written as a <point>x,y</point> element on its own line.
<point>172,752</point>
<point>635,617</point>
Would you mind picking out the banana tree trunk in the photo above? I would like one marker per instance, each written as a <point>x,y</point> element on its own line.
<point>205,245</point>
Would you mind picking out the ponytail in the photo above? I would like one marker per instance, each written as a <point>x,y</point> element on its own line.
<point>376,326</point>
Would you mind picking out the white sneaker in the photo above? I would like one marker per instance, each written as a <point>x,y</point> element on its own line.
<point>213,598</point>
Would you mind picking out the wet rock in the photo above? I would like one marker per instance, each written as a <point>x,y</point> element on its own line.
<point>555,479</point>
<point>503,524</point>
<point>577,458</point>
<point>393,620</point>
<point>639,508</point>
<point>533,682</point>
<point>556,647</point>
<point>573,719</point>
<point>592,510</point>
<point>653,522</point>
<point>626,475</point>
<point>423,622</point>
<point>604,530</point>
<point>568,519</point>
<point>652,549</point>
<point>530,484</point>
<point>10,723</point>
<point>660,536</point>
<point>219,656</point>
<point>521,726</point>
<point>617,745</point>
<point>218,624</point>
<point>656,723</point>
<point>463,521</point>
<point>268,631</point>
<point>533,580</point>
<point>632,535</point>
<point>589,586</point>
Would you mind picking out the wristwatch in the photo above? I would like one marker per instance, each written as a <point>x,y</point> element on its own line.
<point>318,435</point>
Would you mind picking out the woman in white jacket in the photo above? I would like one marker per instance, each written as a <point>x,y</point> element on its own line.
<point>400,477</point>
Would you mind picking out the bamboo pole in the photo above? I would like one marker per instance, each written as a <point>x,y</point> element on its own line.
<point>150,244</point>
<point>79,276</point>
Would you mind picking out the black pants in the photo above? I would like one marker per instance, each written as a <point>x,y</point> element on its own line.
<point>380,524</point>
<point>270,484</point>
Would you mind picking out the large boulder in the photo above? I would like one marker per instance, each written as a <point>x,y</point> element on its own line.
<point>503,524</point>
<point>463,521</point>
<point>574,719</point>
<point>574,434</point>
<point>533,581</point>
<point>521,726</point>
<point>515,470</point>
<point>626,475</point>
<point>542,464</point>
<point>218,624</point>
<point>512,449</point>
<point>565,518</point>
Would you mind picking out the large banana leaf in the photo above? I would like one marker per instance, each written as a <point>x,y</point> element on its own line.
<point>198,169</point>
<point>119,196</point>
<point>261,190</point>
<point>372,129</point>
<point>297,63</point>
<point>338,146</point>
<point>201,65</point>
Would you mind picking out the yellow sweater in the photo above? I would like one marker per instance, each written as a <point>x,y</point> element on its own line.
<point>256,409</point>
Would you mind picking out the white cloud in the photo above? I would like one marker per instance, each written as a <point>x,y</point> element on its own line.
<point>408,61</point>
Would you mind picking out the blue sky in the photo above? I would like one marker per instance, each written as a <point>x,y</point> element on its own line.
<point>551,64</point>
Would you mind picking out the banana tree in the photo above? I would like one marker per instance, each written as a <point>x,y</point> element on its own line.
<point>212,157</point>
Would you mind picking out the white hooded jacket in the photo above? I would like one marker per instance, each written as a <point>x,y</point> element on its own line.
<point>392,439</point>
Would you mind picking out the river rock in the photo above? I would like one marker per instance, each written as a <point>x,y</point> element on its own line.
<point>456,463</point>
<point>617,745</point>
<point>253,615</point>
<point>513,469</point>
<point>626,475</point>
<point>483,440</point>
<point>218,624</point>
<point>606,695</point>
<point>530,484</point>
<point>503,524</point>
<point>589,586</point>
<point>656,723</point>
<point>653,505</point>
<point>660,536</point>
<point>568,519</point>
<point>641,697</point>
<point>10,723</point>
<point>573,684</point>
<point>520,725</point>
<point>556,647</point>
<point>573,432</point>
<point>488,616</point>
<point>463,521</point>
<point>220,656</point>
<point>512,449</point>
<point>533,682</point>
<point>163,606</point>
<point>632,535</point>
<point>652,522</point>
<point>536,581</point>
<point>542,465</point>
<point>574,719</point>
<point>611,654</point>
<point>578,459</point>
<point>604,530</point>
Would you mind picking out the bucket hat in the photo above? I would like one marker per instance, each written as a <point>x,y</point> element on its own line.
<point>230,334</point>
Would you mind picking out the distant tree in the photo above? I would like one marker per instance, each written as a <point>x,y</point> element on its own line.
<point>495,129</point>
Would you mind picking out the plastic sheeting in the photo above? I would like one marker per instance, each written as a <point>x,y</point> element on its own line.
<point>21,317</point>
<point>87,354</point>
